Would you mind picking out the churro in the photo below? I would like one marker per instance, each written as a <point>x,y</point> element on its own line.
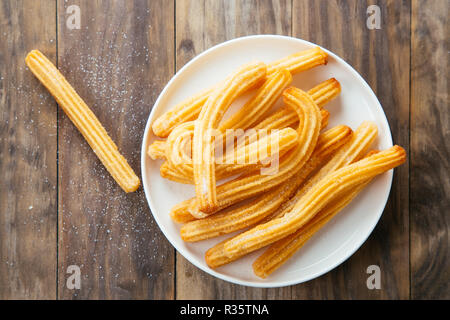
<point>255,108</point>
<point>352,151</point>
<point>241,159</point>
<point>299,61</point>
<point>250,213</point>
<point>157,150</point>
<point>203,155</point>
<point>252,184</point>
<point>190,108</point>
<point>84,119</point>
<point>186,110</point>
<point>360,141</point>
<point>279,252</point>
<point>284,117</point>
<point>326,190</point>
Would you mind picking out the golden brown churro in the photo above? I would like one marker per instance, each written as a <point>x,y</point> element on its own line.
<point>279,252</point>
<point>352,151</point>
<point>157,150</point>
<point>212,112</point>
<point>300,61</point>
<point>285,117</point>
<point>84,119</point>
<point>250,213</point>
<point>186,110</point>
<point>253,111</point>
<point>329,188</point>
<point>242,159</point>
<point>247,186</point>
<point>190,108</point>
<point>313,178</point>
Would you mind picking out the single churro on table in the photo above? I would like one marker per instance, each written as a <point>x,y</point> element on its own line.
<point>84,119</point>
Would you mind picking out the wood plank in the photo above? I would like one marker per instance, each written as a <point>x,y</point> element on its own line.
<point>430,166</point>
<point>28,195</point>
<point>200,25</point>
<point>381,56</point>
<point>118,62</point>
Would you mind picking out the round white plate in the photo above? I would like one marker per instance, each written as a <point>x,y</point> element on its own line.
<point>342,236</point>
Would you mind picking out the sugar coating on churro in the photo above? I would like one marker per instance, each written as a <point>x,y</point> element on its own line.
<point>84,119</point>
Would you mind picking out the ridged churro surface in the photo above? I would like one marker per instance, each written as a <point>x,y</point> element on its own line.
<point>279,252</point>
<point>326,190</point>
<point>190,108</point>
<point>84,119</point>
<point>244,187</point>
<point>248,214</point>
<point>212,112</point>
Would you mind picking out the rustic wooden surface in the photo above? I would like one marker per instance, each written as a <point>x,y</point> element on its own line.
<point>430,165</point>
<point>28,188</point>
<point>59,206</point>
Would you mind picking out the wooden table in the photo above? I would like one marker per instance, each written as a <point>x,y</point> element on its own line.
<point>59,207</point>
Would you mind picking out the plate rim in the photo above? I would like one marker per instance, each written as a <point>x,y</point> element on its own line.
<point>186,255</point>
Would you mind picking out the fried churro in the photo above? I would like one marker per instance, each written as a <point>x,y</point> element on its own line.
<point>244,158</point>
<point>157,150</point>
<point>190,108</point>
<point>84,119</point>
<point>212,112</point>
<point>362,138</point>
<point>326,190</point>
<point>250,213</point>
<point>252,184</point>
<point>279,252</point>
<point>255,109</point>
<point>187,110</point>
<point>360,141</point>
<point>283,118</point>
<point>300,61</point>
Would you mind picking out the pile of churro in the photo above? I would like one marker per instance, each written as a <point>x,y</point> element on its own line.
<point>271,176</point>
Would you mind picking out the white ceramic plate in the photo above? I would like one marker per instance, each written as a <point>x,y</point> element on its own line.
<point>342,236</point>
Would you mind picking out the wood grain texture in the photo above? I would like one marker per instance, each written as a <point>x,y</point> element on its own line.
<point>28,215</point>
<point>199,26</point>
<point>118,62</point>
<point>381,56</point>
<point>430,136</point>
